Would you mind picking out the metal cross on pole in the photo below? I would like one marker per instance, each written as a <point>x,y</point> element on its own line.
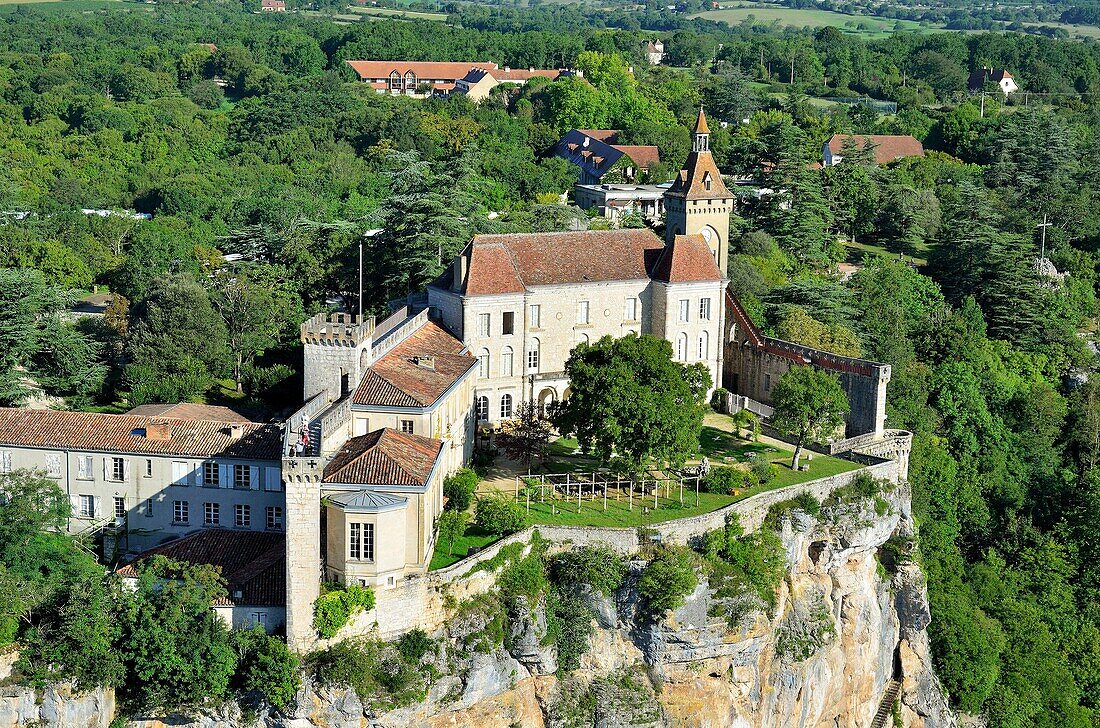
<point>1043,238</point>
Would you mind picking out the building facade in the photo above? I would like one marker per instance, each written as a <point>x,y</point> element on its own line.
<point>615,201</point>
<point>147,479</point>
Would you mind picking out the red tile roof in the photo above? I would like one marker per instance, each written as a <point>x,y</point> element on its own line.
<point>424,70</point>
<point>645,156</point>
<point>190,411</point>
<point>690,183</point>
<point>887,147</point>
<point>526,74</point>
<point>701,126</point>
<point>687,260</point>
<point>95,432</point>
<point>511,263</point>
<point>399,380</point>
<point>384,457</point>
<point>253,563</point>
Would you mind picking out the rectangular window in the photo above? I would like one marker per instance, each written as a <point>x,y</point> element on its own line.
<point>148,468</point>
<point>506,363</point>
<point>210,474</point>
<point>148,507</point>
<point>273,479</point>
<point>533,360</point>
<point>84,467</point>
<point>508,323</point>
<point>274,518</point>
<point>582,312</point>
<point>483,325</point>
<point>704,309</point>
<point>118,469</point>
<point>368,541</point>
<point>179,473</point>
<point>53,465</point>
<point>242,515</point>
<point>767,382</point>
<point>86,506</point>
<point>355,541</point>
<point>407,426</point>
<point>120,507</point>
<point>259,618</point>
<point>5,462</point>
<point>483,366</point>
<point>534,316</point>
<point>180,512</point>
<point>240,477</point>
<point>211,514</point>
<point>685,309</point>
<point>631,311</point>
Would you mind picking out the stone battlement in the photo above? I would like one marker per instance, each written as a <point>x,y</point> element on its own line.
<point>337,329</point>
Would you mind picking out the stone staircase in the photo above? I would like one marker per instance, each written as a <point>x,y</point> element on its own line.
<point>893,688</point>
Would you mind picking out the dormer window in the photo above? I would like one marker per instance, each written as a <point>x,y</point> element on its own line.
<point>707,181</point>
<point>395,80</point>
<point>410,80</point>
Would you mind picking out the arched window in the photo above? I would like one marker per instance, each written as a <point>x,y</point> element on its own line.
<point>582,339</point>
<point>410,84</point>
<point>704,346</point>
<point>506,362</point>
<point>483,363</point>
<point>505,406</point>
<point>482,406</point>
<point>395,81</point>
<point>682,347</point>
<point>533,356</point>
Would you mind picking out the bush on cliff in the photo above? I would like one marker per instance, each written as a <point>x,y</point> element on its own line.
<point>668,579</point>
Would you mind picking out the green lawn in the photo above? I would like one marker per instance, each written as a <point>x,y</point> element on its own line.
<point>813,18</point>
<point>473,538</point>
<point>856,251</point>
<point>394,12</point>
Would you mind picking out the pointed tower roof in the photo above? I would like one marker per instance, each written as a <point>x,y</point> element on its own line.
<point>701,123</point>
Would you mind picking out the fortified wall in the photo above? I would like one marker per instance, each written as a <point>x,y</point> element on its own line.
<point>754,363</point>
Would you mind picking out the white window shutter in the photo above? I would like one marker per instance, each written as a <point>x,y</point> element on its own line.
<point>74,501</point>
<point>82,467</point>
<point>96,507</point>
<point>253,477</point>
<point>106,468</point>
<point>223,476</point>
<point>274,479</point>
<point>179,473</point>
<point>5,465</point>
<point>126,471</point>
<point>196,474</point>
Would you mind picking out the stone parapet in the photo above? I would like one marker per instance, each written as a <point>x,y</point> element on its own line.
<point>337,329</point>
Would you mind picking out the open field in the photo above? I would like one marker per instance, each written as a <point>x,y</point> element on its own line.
<point>814,18</point>
<point>371,13</point>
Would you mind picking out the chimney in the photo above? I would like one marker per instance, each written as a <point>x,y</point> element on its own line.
<point>507,69</point>
<point>460,268</point>
<point>236,431</point>
<point>159,431</point>
<point>425,362</point>
<point>585,145</point>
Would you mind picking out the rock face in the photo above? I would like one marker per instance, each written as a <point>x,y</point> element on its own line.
<point>842,628</point>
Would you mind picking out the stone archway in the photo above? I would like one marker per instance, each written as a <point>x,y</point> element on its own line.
<point>546,398</point>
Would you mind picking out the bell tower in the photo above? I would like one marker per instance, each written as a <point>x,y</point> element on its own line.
<point>699,203</point>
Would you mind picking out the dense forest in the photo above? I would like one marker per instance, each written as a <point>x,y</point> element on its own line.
<point>261,164</point>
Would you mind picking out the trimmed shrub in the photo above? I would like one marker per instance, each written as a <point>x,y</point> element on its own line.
<point>762,470</point>
<point>668,579</point>
<point>499,514</point>
<point>459,489</point>
<point>723,479</point>
<point>334,608</point>
<point>718,399</point>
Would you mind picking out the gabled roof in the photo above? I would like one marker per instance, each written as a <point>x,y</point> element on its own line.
<point>384,457</point>
<point>190,411</point>
<point>131,433</point>
<point>644,155</point>
<point>888,147</point>
<point>402,378</point>
<point>253,563</point>
<point>592,150</point>
<point>980,76</point>
<point>687,259</point>
<point>511,263</point>
<point>607,136</point>
<point>366,501</point>
<point>691,182</point>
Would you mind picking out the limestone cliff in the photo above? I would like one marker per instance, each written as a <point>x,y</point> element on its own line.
<point>844,626</point>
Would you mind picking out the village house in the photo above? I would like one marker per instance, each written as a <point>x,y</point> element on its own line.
<point>424,78</point>
<point>272,6</point>
<point>153,474</point>
<point>614,201</point>
<point>654,51</point>
<point>887,147</point>
<point>1004,80</point>
<point>601,160</point>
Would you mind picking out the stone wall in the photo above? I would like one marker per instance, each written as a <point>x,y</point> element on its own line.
<point>425,600</point>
